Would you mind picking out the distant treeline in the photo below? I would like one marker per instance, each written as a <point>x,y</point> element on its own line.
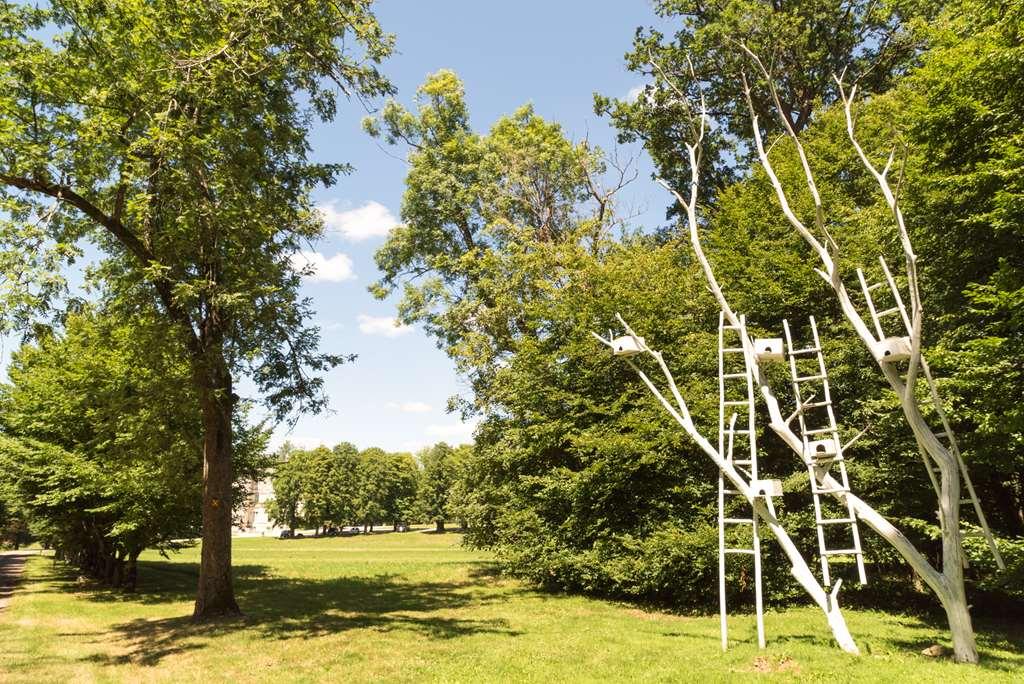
<point>327,488</point>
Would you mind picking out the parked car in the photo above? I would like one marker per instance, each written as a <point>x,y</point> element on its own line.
<point>350,531</point>
<point>286,534</point>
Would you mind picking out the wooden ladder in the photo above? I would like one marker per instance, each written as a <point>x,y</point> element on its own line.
<point>945,435</point>
<point>822,448</point>
<point>736,402</point>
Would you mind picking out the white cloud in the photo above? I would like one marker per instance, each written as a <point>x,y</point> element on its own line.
<point>634,93</point>
<point>332,270</point>
<point>382,325</point>
<point>372,219</point>
<point>456,433</point>
<point>410,406</point>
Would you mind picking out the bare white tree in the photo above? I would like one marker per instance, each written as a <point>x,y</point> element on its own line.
<point>947,582</point>
<point>828,602</point>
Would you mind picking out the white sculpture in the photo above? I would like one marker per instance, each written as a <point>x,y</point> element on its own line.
<point>943,462</point>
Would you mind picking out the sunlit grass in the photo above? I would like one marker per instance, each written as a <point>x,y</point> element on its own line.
<point>418,607</point>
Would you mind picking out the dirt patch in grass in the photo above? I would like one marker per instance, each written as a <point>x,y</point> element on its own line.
<point>768,665</point>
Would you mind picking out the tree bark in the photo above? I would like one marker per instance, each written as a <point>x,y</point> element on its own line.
<point>216,596</point>
<point>440,525</point>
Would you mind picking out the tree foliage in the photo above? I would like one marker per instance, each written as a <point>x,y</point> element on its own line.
<point>101,452</point>
<point>578,480</point>
<point>175,137</point>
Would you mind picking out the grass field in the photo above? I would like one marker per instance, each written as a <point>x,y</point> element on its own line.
<point>417,607</point>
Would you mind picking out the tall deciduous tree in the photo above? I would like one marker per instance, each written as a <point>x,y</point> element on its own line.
<point>808,39</point>
<point>175,137</point>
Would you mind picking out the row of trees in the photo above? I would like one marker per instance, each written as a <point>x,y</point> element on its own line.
<point>100,451</point>
<point>340,486</point>
<point>579,480</point>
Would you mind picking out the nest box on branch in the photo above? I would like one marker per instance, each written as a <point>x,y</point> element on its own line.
<point>768,349</point>
<point>892,349</point>
<point>627,345</point>
<point>767,487</point>
<point>822,449</point>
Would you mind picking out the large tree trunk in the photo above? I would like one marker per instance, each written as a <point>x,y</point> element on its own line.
<point>216,594</point>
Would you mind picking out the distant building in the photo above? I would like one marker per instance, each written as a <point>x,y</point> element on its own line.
<point>252,518</point>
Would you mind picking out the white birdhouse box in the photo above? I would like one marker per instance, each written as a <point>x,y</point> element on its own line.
<point>892,349</point>
<point>768,349</point>
<point>627,345</point>
<point>768,488</point>
<point>822,448</point>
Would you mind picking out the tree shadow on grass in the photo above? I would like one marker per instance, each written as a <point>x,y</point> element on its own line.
<point>283,608</point>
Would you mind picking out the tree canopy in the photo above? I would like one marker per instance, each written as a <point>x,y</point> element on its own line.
<point>174,136</point>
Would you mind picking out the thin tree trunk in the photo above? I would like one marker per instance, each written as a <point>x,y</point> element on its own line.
<point>132,571</point>
<point>216,596</point>
<point>440,525</point>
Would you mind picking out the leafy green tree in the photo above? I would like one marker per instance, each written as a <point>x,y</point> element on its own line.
<point>287,479</point>
<point>373,486</point>
<point>807,41</point>
<point>387,486</point>
<point>403,477</point>
<point>174,136</point>
<point>101,447</point>
<point>490,223</point>
<point>438,464</point>
<point>330,485</point>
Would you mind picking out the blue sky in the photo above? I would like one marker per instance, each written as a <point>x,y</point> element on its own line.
<point>552,54</point>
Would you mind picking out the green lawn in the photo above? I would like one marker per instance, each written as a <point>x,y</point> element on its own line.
<point>417,607</point>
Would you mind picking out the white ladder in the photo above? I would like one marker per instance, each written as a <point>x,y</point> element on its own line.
<point>822,449</point>
<point>945,434</point>
<point>736,401</point>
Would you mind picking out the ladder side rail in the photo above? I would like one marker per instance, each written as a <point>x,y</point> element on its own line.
<point>840,460</point>
<point>896,294</point>
<point>955,449</point>
<point>871,305</point>
<point>752,443</point>
<point>721,485</point>
<point>796,385</point>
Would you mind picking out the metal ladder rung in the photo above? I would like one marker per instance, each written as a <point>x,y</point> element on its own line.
<point>741,461</point>
<point>817,404</point>
<point>875,286</point>
<point>842,552</point>
<point>732,350</point>
<point>966,501</point>
<point>834,490</point>
<point>820,431</point>
<point>836,521</point>
<point>734,376</point>
<point>749,552</point>
<point>888,312</point>
<point>735,402</point>
<point>738,521</point>
<point>737,431</point>
<point>808,378</point>
<point>805,351</point>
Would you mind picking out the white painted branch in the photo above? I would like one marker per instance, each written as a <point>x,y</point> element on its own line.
<point>799,568</point>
